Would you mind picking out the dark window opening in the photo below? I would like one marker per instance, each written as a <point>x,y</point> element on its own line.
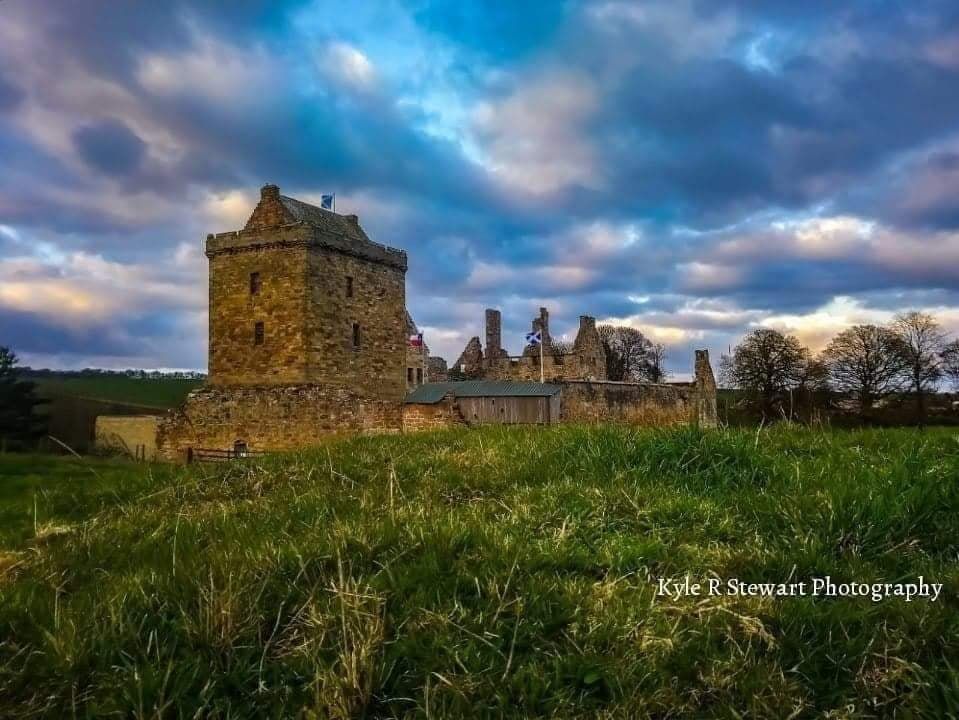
<point>254,283</point>
<point>239,449</point>
<point>356,336</point>
<point>419,376</point>
<point>409,375</point>
<point>349,287</point>
<point>258,334</point>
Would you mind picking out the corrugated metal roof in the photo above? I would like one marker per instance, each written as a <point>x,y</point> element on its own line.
<point>432,393</point>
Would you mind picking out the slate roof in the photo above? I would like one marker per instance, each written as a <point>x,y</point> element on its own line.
<point>432,393</point>
<point>323,219</point>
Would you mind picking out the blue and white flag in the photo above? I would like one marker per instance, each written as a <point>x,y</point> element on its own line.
<point>326,202</point>
<point>534,338</point>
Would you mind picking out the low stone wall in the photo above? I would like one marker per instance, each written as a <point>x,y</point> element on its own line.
<point>631,403</point>
<point>271,418</point>
<point>133,435</point>
<point>444,414</point>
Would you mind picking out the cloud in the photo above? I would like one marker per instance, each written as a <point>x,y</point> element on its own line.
<point>534,138</point>
<point>345,64</point>
<point>110,147</point>
<point>729,164</point>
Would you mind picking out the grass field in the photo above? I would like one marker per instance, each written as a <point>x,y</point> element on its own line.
<point>492,573</point>
<point>156,393</point>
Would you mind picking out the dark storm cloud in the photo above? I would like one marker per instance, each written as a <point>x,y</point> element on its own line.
<point>10,94</point>
<point>698,115</point>
<point>32,333</point>
<point>110,147</point>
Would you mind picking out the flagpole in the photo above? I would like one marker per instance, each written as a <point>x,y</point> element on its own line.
<point>542,340</point>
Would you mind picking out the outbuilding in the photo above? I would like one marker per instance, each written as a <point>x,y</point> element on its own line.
<point>494,402</point>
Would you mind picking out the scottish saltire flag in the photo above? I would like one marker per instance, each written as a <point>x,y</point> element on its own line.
<point>534,338</point>
<point>416,340</point>
<point>326,202</point>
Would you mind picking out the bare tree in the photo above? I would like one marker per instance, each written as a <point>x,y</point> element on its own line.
<point>950,362</point>
<point>922,341</point>
<point>630,355</point>
<point>655,365</point>
<point>767,365</point>
<point>867,361</point>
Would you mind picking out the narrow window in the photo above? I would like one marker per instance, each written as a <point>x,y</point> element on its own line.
<point>356,336</point>
<point>258,334</point>
<point>409,375</point>
<point>239,449</point>
<point>419,376</point>
<point>254,283</point>
<point>349,287</point>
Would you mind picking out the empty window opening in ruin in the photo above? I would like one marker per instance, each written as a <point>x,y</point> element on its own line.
<point>419,376</point>
<point>349,287</point>
<point>258,333</point>
<point>356,336</point>
<point>239,449</point>
<point>254,283</point>
<point>409,375</point>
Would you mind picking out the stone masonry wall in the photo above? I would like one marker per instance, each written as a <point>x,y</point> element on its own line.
<point>631,403</point>
<point>377,367</point>
<point>271,418</point>
<point>444,414</point>
<point>280,304</point>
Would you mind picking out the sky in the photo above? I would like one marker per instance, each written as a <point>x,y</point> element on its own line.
<point>693,168</point>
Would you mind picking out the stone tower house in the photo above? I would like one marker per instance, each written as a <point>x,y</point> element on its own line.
<point>302,296</point>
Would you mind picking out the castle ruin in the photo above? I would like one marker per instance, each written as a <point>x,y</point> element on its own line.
<point>309,336</point>
<point>586,360</point>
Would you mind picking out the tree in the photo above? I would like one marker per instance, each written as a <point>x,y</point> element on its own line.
<point>767,365</point>
<point>654,367</point>
<point>950,362</point>
<point>867,361</point>
<point>19,424</point>
<point>630,355</point>
<point>921,342</point>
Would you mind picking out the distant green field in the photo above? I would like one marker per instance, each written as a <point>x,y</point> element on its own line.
<point>507,573</point>
<point>157,393</point>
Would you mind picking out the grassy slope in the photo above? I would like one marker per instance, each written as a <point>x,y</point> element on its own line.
<point>158,393</point>
<point>501,573</point>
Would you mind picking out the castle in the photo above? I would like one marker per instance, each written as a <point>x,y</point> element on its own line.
<point>309,336</point>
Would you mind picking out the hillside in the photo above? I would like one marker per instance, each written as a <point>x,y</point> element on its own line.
<point>488,573</point>
<point>160,393</point>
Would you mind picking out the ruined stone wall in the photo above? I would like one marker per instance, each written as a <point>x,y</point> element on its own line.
<point>280,304</point>
<point>630,403</point>
<point>566,366</point>
<point>271,418</point>
<point>377,366</point>
<point>444,414</point>
<point>437,371</point>
<point>705,384</point>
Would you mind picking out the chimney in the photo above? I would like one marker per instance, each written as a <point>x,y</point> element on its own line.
<point>270,192</point>
<point>586,323</point>
<point>494,339</point>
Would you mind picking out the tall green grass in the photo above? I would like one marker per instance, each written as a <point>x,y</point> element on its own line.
<point>500,573</point>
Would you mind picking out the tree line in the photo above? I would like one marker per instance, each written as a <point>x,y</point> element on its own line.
<point>864,363</point>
